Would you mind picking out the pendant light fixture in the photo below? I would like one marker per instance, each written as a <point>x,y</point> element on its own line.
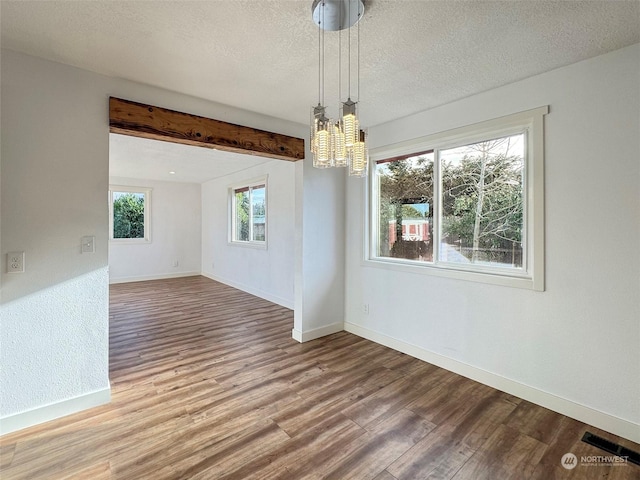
<point>340,143</point>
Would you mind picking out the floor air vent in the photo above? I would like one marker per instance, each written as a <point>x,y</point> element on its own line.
<point>614,448</point>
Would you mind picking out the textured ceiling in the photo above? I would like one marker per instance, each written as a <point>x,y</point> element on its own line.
<point>261,55</point>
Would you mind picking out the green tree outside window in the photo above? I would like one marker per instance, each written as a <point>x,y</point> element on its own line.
<point>128,215</point>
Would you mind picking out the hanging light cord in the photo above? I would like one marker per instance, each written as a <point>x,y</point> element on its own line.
<point>349,33</point>
<point>323,55</point>
<point>319,65</point>
<point>340,60</point>
<point>323,25</point>
<point>358,92</point>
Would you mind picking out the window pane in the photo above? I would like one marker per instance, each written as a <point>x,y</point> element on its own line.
<point>242,215</point>
<point>405,208</point>
<point>128,215</point>
<point>258,210</point>
<point>482,203</point>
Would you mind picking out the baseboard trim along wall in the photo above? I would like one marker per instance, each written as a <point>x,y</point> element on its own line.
<point>29,418</point>
<point>253,291</point>
<point>309,335</point>
<point>609,423</point>
<point>144,278</point>
<point>283,302</point>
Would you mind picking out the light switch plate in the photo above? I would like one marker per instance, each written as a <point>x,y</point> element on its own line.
<point>15,262</point>
<point>89,244</point>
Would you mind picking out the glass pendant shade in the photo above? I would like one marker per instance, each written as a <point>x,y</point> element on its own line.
<point>359,158</point>
<point>321,138</point>
<point>322,155</point>
<point>339,148</point>
<point>350,124</point>
<point>317,118</point>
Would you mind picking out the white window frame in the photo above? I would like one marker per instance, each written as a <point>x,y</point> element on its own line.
<point>250,184</point>
<point>531,276</point>
<point>147,213</point>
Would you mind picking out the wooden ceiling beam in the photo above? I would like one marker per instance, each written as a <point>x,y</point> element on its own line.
<point>147,121</point>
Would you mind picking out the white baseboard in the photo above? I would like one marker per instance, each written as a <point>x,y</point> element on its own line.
<point>240,286</point>
<point>18,421</point>
<point>144,278</point>
<point>316,332</point>
<point>253,291</point>
<point>604,421</point>
<point>296,335</point>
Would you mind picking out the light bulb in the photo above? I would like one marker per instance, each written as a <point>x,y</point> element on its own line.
<point>318,121</point>
<point>314,136</point>
<point>359,161</point>
<point>339,149</point>
<point>322,155</point>
<point>350,128</point>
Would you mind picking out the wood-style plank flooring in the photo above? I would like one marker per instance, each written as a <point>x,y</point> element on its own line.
<point>208,384</point>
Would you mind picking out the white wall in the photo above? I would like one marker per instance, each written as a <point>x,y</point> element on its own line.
<point>175,234</point>
<point>55,157</point>
<point>54,330</point>
<point>323,253</point>
<point>575,347</point>
<point>268,273</point>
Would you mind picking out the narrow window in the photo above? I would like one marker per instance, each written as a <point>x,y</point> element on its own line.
<point>249,213</point>
<point>482,221</point>
<point>129,214</point>
<point>405,206</point>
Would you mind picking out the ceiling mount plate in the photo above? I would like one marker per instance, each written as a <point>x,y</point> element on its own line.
<point>337,14</point>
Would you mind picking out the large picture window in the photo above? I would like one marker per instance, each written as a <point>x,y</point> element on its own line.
<point>466,203</point>
<point>129,214</point>
<point>249,213</point>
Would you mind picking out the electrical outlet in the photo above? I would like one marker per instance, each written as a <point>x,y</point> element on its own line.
<point>365,309</point>
<point>15,262</point>
<point>176,263</point>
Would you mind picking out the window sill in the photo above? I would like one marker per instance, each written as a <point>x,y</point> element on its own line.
<point>129,241</point>
<point>507,279</point>
<point>256,245</point>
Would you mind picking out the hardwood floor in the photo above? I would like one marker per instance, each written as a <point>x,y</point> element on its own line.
<point>207,383</point>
